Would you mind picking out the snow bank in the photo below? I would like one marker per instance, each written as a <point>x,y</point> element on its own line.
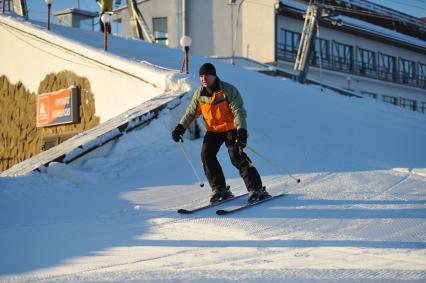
<point>160,77</point>
<point>87,141</point>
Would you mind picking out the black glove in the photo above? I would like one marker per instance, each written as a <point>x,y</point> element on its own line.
<point>241,137</point>
<point>178,133</point>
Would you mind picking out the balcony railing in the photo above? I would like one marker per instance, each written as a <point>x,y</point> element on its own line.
<point>354,67</point>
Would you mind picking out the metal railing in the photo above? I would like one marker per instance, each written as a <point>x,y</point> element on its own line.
<point>90,140</point>
<point>355,67</point>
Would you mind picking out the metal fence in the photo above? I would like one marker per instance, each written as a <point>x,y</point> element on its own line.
<point>334,63</point>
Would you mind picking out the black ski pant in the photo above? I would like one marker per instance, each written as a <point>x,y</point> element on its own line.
<point>211,145</point>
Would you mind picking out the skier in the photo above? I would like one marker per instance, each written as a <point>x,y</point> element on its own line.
<point>224,114</point>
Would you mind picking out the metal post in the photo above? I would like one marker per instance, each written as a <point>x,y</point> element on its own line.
<point>232,34</point>
<point>191,164</point>
<point>3,7</point>
<point>348,80</point>
<point>186,68</point>
<point>105,36</point>
<point>184,17</point>
<point>320,55</point>
<point>48,15</point>
<point>271,162</point>
<point>185,42</point>
<point>307,40</point>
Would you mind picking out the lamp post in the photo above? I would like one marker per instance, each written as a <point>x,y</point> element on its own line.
<point>348,82</point>
<point>232,3</point>
<point>185,42</point>
<point>49,6</point>
<point>106,18</point>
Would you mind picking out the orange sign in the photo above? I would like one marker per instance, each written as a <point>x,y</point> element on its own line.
<point>56,108</point>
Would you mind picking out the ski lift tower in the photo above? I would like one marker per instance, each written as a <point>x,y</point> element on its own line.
<point>314,13</point>
<point>307,39</point>
<point>140,27</point>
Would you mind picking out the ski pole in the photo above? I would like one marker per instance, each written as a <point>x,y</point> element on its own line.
<point>271,162</point>
<point>190,163</point>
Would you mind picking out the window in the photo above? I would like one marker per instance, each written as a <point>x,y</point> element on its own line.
<point>160,30</point>
<point>288,44</point>
<point>54,140</point>
<point>422,74</point>
<point>409,104</point>
<point>117,27</point>
<point>369,94</point>
<point>390,99</point>
<point>342,56</point>
<point>320,49</point>
<point>422,71</point>
<point>292,40</point>
<point>406,69</point>
<point>86,24</point>
<point>423,107</point>
<point>63,20</point>
<point>387,67</point>
<point>366,60</point>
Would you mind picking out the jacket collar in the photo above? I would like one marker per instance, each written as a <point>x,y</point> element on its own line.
<point>215,87</point>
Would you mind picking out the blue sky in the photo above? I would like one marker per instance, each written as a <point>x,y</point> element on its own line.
<point>38,8</point>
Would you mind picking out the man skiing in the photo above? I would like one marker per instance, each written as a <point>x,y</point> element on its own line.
<point>224,114</point>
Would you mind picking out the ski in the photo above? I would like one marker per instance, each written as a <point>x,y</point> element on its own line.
<point>189,211</point>
<point>247,205</point>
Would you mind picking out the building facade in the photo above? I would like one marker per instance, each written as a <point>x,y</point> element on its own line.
<point>365,57</point>
<point>377,52</point>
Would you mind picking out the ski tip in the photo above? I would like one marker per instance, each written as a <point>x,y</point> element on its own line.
<point>220,212</point>
<point>182,211</point>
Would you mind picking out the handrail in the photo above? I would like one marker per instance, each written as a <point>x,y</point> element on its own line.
<point>88,141</point>
<point>355,67</point>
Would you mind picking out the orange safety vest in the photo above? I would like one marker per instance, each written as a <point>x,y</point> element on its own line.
<point>217,114</point>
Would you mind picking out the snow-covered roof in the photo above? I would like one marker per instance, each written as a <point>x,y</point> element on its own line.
<point>294,4</point>
<point>368,6</point>
<point>77,39</point>
<point>366,26</point>
<point>384,11</point>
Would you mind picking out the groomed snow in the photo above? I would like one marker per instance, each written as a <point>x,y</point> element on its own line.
<point>358,215</point>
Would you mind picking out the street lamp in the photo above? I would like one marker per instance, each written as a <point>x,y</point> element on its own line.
<point>185,42</point>
<point>105,18</point>
<point>232,3</point>
<point>49,6</point>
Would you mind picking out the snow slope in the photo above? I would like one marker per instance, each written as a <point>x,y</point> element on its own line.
<point>358,215</point>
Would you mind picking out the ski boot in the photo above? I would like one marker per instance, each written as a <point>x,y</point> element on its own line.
<point>221,194</point>
<point>258,195</point>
